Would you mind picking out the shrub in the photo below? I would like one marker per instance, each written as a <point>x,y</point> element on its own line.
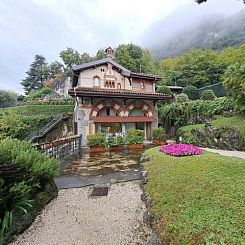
<point>135,137</point>
<point>39,93</point>
<point>97,139</point>
<point>191,92</point>
<point>115,141</point>
<point>179,150</point>
<point>208,95</point>
<point>193,112</point>
<point>181,98</point>
<point>24,173</point>
<point>159,134</point>
<point>164,90</point>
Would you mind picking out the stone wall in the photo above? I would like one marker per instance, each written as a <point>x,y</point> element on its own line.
<point>85,112</point>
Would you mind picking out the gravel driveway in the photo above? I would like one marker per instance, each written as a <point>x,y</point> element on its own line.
<point>76,218</point>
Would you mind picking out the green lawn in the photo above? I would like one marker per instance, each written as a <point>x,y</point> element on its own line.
<point>197,199</point>
<point>237,122</point>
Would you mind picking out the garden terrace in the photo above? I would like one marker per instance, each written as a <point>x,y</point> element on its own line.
<point>18,122</point>
<point>197,199</point>
<point>236,122</point>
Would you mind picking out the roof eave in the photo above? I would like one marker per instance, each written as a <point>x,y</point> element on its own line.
<point>119,95</point>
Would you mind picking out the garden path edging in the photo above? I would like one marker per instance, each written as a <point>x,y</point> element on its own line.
<point>149,217</point>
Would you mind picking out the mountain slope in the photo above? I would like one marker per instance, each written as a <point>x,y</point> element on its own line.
<point>212,32</point>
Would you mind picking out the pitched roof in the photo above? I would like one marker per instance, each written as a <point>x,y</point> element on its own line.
<point>125,71</point>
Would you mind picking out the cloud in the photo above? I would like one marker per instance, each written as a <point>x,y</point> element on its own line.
<point>46,27</point>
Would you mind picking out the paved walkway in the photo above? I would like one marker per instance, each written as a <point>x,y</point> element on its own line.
<point>239,154</point>
<point>76,218</point>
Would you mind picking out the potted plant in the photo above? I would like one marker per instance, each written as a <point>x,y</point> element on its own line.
<point>159,136</point>
<point>96,142</point>
<point>135,139</point>
<point>115,143</point>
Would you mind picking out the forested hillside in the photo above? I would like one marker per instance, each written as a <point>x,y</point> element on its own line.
<point>213,32</point>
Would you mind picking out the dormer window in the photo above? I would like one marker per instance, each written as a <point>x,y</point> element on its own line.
<point>96,81</point>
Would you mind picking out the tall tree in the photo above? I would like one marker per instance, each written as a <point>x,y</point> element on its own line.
<point>123,57</point>
<point>100,54</point>
<point>55,68</point>
<point>147,62</point>
<point>70,57</point>
<point>85,58</point>
<point>36,75</point>
<point>234,81</point>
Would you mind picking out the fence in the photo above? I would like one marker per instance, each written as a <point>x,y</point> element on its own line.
<point>47,128</point>
<point>61,148</point>
<point>218,89</point>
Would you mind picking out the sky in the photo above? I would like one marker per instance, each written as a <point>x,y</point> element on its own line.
<point>46,27</point>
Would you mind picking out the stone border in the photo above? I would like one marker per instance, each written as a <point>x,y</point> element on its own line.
<point>148,218</point>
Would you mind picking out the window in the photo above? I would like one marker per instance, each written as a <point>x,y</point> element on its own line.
<point>136,113</point>
<point>102,70</point>
<point>107,112</point>
<point>109,84</point>
<point>119,86</point>
<point>96,81</point>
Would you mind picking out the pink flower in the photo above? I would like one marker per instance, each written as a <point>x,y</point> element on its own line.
<point>179,150</point>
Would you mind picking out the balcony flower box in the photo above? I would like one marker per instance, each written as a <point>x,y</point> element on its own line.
<point>97,149</point>
<point>136,146</point>
<point>117,148</point>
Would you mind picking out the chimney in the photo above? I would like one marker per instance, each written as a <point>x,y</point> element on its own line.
<point>109,52</point>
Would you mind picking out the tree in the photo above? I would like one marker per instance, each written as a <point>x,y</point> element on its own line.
<point>181,98</point>
<point>191,92</point>
<point>36,75</point>
<point>164,90</point>
<point>100,54</point>
<point>234,81</point>
<point>70,57</point>
<point>55,68</point>
<point>123,57</point>
<point>208,95</point>
<point>129,56</point>
<point>147,62</point>
<point>8,96</point>
<point>85,58</point>
<point>196,67</point>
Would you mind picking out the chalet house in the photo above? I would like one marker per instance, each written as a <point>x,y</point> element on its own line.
<point>111,99</point>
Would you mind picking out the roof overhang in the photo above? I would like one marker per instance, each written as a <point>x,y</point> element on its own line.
<point>125,94</point>
<point>145,76</point>
<point>123,119</point>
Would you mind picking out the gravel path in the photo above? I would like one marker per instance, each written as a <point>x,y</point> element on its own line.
<point>75,218</point>
<point>240,154</point>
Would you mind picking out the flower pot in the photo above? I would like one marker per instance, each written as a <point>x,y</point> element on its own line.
<point>159,142</point>
<point>97,149</point>
<point>136,146</point>
<point>116,148</point>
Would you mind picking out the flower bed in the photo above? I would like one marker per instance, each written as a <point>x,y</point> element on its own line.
<point>179,150</point>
